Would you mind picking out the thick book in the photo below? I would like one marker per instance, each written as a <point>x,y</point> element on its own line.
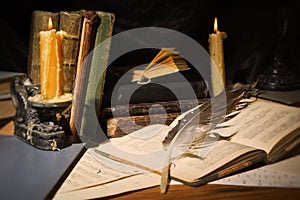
<point>168,77</point>
<point>5,80</point>
<point>8,109</point>
<point>263,132</point>
<point>132,93</point>
<point>7,112</point>
<point>121,126</point>
<point>124,119</point>
<point>93,56</point>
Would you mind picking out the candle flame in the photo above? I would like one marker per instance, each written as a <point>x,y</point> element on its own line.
<point>216,25</point>
<point>50,24</point>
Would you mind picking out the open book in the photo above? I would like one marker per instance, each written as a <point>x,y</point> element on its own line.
<point>262,132</point>
<point>167,61</point>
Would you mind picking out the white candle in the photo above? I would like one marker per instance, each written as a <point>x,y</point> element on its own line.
<point>217,59</point>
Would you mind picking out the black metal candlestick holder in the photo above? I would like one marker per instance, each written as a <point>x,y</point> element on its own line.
<point>278,76</point>
<point>41,124</point>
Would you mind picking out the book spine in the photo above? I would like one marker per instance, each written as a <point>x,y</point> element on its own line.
<point>103,41</point>
<point>83,69</point>
<point>39,22</point>
<point>95,46</point>
<point>96,80</point>
<point>154,107</point>
<point>70,22</point>
<point>120,126</point>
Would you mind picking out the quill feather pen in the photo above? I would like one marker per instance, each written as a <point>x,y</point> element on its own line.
<point>193,128</point>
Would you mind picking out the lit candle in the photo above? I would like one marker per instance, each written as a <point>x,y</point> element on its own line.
<point>51,62</point>
<point>217,59</point>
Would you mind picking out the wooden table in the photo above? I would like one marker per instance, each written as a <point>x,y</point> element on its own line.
<point>210,191</point>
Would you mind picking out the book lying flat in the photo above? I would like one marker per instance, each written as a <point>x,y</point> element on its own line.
<point>262,132</point>
<point>124,119</point>
<point>171,87</point>
<point>5,80</point>
<point>8,109</point>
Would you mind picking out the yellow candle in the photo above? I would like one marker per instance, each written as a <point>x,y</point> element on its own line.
<point>51,62</point>
<point>217,59</point>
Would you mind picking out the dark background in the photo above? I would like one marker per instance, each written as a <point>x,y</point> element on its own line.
<point>253,28</point>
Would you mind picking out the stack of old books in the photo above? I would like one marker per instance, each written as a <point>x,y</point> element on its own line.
<point>158,92</point>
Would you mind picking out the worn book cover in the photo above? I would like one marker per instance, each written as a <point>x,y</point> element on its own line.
<point>120,89</point>
<point>89,85</point>
<point>121,120</point>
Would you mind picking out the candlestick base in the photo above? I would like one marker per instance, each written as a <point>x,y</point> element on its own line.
<point>277,77</point>
<point>42,124</point>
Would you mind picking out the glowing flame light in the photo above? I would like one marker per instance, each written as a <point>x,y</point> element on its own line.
<point>50,24</point>
<point>216,25</point>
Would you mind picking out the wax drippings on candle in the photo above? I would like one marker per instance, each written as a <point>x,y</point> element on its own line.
<point>59,99</point>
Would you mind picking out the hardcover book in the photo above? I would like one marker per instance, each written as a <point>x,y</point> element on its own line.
<point>124,119</point>
<point>97,29</point>
<point>121,89</point>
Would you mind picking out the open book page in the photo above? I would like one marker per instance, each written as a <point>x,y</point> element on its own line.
<point>96,176</point>
<point>162,54</point>
<point>113,188</point>
<point>264,123</point>
<point>167,61</point>
<point>94,170</point>
<point>148,152</point>
<point>190,169</point>
<point>284,173</point>
<point>142,147</point>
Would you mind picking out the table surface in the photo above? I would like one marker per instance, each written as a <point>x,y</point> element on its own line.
<point>30,173</point>
<point>210,191</point>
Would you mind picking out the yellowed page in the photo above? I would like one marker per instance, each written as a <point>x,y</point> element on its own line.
<point>190,168</point>
<point>161,70</point>
<point>93,170</point>
<point>96,176</point>
<point>123,185</point>
<point>264,123</point>
<point>143,147</point>
<point>162,54</point>
<point>283,174</point>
